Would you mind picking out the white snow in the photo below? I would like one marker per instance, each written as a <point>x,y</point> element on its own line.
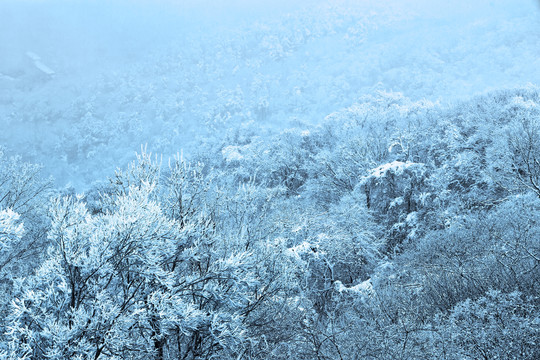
<point>6,77</point>
<point>231,153</point>
<point>365,288</point>
<point>33,56</point>
<point>303,248</point>
<point>396,167</point>
<point>38,63</point>
<point>44,68</point>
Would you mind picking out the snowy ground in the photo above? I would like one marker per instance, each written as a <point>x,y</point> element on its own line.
<point>84,84</point>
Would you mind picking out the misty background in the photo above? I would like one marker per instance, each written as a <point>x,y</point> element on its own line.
<point>83,84</point>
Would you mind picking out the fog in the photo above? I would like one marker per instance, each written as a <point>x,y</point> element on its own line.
<point>83,84</point>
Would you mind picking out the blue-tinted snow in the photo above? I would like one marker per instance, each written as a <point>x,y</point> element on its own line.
<point>105,77</point>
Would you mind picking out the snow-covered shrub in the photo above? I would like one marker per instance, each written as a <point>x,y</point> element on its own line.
<point>394,194</point>
<point>495,326</point>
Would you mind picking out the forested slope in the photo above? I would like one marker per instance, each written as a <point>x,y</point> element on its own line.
<point>337,183</point>
<point>127,75</point>
<point>392,229</point>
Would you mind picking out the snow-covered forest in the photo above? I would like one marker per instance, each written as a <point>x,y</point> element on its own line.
<point>228,179</point>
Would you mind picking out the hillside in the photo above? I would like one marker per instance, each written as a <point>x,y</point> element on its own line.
<point>218,180</point>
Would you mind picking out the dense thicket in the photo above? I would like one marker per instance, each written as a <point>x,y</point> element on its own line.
<point>394,229</point>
